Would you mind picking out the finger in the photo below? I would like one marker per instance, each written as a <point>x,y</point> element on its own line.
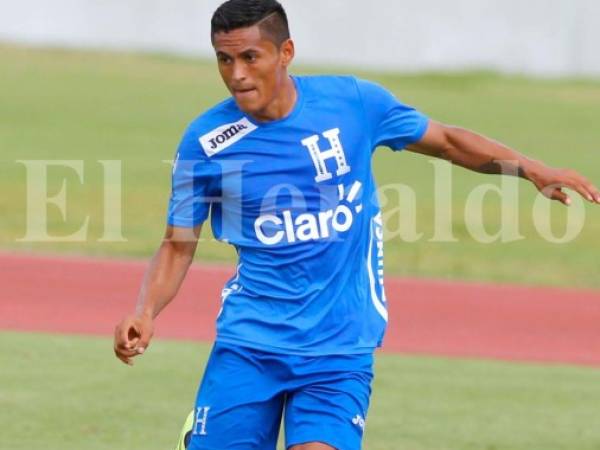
<point>127,352</point>
<point>133,334</point>
<point>551,191</point>
<point>596,193</point>
<point>123,346</point>
<point>127,361</point>
<point>593,190</point>
<point>122,332</point>
<point>583,189</point>
<point>558,194</point>
<point>119,344</point>
<point>587,191</point>
<point>587,185</point>
<point>118,334</point>
<point>124,358</point>
<point>144,340</point>
<point>133,343</point>
<point>555,192</point>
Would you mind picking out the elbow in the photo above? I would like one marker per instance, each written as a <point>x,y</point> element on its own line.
<point>450,142</point>
<point>178,250</point>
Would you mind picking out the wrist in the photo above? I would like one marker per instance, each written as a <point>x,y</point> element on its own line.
<point>530,169</point>
<point>144,314</point>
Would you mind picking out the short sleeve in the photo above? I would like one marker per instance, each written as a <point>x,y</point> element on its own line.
<point>193,175</point>
<point>390,122</point>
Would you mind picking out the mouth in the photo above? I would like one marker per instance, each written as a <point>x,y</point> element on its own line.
<point>244,93</point>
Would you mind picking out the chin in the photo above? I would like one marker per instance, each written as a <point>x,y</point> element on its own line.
<point>249,107</point>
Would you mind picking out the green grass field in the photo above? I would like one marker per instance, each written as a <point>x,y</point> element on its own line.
<point>70,393</point>
<point>101,106</point>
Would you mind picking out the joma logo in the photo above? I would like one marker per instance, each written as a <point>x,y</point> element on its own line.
<point>226,135</point>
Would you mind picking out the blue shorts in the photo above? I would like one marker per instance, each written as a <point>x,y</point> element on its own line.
<point>245,393</point>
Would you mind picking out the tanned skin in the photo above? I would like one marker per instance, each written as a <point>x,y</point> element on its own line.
<point>255,71</point>
<point>480,154</point>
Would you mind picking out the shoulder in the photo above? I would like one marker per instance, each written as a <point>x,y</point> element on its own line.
<point>342,86</point>
<point>346,88</point>
<point>326,81</point>
<point>368,88</point>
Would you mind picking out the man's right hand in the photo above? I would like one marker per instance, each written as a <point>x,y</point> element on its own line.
<point>132,337</point>
<point>161,282</point>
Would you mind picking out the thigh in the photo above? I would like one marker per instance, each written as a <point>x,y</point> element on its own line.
<point>332,407</point>
<point>239,404</point>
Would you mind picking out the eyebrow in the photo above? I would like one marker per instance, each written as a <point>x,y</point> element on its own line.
<point>243,52</point>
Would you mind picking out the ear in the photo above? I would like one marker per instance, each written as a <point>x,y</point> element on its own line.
<point>287,52</point>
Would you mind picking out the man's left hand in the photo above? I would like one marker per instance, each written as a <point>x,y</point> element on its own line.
<point>550,182</point>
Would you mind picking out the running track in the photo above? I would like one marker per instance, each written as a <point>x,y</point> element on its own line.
<point>77,295</point>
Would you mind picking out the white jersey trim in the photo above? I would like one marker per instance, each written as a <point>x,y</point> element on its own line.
<point>379,306</point>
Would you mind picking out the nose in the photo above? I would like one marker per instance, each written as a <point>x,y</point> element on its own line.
<point>239,72</point>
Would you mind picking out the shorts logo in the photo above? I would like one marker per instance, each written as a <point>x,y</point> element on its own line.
<point>271,229</point>
<point>220,138</point>
<point>200,420</point>
<point>359,421</point>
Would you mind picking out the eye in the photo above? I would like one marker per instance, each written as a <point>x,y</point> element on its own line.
<point>250,57</point>
<point>223,59</point>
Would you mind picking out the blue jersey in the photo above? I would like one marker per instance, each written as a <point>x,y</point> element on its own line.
<point>296,197</point>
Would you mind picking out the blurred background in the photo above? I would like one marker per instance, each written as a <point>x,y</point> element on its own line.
<point>92,81</point>
<point>539,37</point>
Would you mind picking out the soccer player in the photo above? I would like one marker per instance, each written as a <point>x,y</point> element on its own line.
<point>284,166</point>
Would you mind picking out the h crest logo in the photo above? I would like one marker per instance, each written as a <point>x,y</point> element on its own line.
<point>319,157</point>
<point>200,420</point>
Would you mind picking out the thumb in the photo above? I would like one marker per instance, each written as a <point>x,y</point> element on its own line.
<point>555,192</point>
<point>146,331</point>
<point>558,194</point>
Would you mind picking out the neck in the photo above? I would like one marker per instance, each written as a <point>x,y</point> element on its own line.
<point>281,105</point>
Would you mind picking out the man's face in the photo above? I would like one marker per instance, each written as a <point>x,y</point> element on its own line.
<point>252,67</point>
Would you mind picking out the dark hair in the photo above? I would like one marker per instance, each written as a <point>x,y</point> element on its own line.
<point>269,14</point>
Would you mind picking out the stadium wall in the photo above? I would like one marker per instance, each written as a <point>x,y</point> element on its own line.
<point>536,37</point>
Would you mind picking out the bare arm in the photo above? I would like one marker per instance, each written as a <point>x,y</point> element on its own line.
<point>480,154</point>
<point>161,282</point>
